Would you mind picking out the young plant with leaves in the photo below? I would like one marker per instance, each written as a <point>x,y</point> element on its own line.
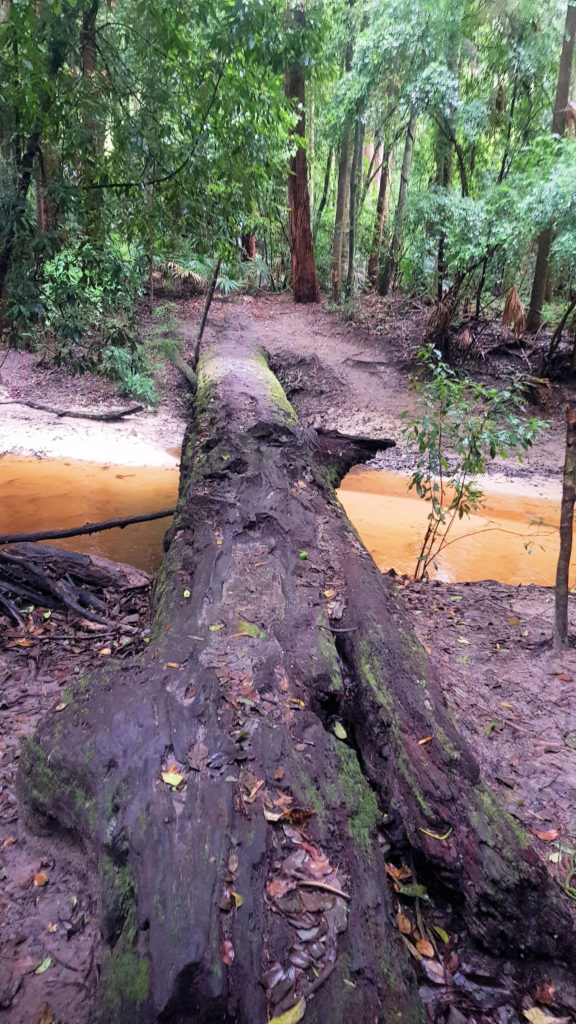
<point>462,426</point>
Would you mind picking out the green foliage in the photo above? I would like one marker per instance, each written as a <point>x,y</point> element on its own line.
<point>462,424</point>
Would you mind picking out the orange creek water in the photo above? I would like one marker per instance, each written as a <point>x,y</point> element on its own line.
<point>513,541</point>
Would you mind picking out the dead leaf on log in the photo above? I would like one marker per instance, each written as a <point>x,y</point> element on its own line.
<point>545,993</point>
<point>548,837</point>
<point>40,879</point>
<point>226,952</point>
<point>425,947</point>
<point>404,924</point>
<point>400,874</point>
<point>434,972</point>
<point>537,1016</point>
<point>278,887</point>
<point>172,778</point>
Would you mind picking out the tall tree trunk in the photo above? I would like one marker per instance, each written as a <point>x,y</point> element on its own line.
<point>311,148</point>
<point>245,782</point>
<point>340,223</point>
<point>534,317</point>
<point>324,197</point>
<point>382,207</point>
<point>18,207</point>
<point>304,280</point>
<point>355,184</point>
<point>443,157</point>
<point>93,197</point>
<point>391,265</point>
<point>566,528</point>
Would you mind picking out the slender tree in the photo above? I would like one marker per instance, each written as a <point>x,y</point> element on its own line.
<point>340,224</point>
<point>382,208</point>
<point>534,318</point>
<point>566,527</point>
<point>354,201</point>
<point>392,263</point>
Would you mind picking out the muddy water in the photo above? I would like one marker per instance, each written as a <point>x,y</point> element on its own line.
<point>501,544</point>
<point>46,494</point>
<point>515,540</point>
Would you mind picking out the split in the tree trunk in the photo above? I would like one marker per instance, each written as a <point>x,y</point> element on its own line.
<point>248,784</point>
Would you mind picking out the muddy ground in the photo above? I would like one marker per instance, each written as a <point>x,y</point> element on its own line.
<point>512,695</point>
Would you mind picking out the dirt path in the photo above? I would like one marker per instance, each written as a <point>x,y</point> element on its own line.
<point>351,376</point>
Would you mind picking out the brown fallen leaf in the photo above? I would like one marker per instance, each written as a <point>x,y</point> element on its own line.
<point>545,993</point>
<point>278,887</point>
<point>298,815</point>
<point>399,874</point>
<point>254,792</point>
<point>47,1017</point>
<point>9,841</point>
<point>404,923</point>
<point>283,801</point>
<point>434,972</point>
<point>226,952</point>
<point>40,878</point>
<point>426,948</point>
<point>279,774</point>
<point>547,836</point>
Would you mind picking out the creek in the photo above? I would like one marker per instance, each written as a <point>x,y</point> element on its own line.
<point>514,540</point>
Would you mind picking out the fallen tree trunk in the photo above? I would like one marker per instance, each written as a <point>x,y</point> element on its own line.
<point>104,415</point>
<point>246,784</point>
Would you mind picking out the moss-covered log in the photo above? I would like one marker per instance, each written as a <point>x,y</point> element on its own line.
<point>243,783</point>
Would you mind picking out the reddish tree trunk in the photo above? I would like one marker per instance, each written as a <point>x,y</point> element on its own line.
<point>304,280</point>
<point>248,243</point>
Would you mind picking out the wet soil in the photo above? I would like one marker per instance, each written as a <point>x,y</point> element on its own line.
<point>512,696</point>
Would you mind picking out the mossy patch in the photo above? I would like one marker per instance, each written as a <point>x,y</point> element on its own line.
<point>126,980</point>
<point>363,811</point>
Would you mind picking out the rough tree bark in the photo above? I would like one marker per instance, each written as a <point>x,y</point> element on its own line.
<point>324,196</point>
<point>304,280</point>
<point>566,527</point>
<point>343,190</point>
<point>354,204</point>
<point>534,317</point>
<point>386,174</point>
<point>285,699</point>
<point>391,266</point>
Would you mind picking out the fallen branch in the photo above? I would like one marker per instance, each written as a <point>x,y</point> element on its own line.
<point>184,367</point>
<point>108,416</point>
<point>80,531</point>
